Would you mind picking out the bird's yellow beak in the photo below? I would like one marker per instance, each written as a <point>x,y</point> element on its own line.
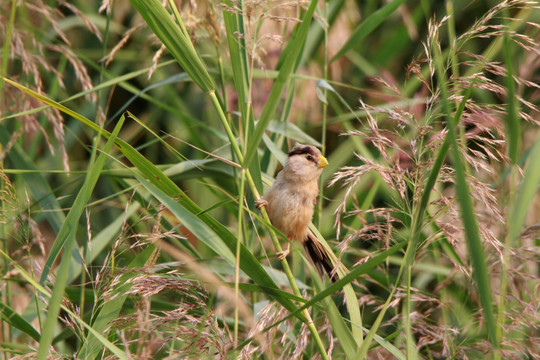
<point>322,162</point>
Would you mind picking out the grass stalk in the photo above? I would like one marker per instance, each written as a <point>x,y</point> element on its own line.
<point>513,138</point>
<point>6,47</point>
<point>238,258</point>
<point>4,231</point>
<point>324,105</point>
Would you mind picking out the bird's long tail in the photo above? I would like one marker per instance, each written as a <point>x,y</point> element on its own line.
<point>320,258</point>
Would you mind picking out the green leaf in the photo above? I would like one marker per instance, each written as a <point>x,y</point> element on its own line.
<point>316,33</point>
<point>513,129</point>
<point>179,45</point>
<point>526,193</point>
<point>194,224</point>
<point>234,26</point>
<point>12,318</point>
<point>339,327</point>
<point>468,217</point>
<point>367,26</point>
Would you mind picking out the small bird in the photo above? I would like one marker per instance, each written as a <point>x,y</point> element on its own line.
<point>291,199</point>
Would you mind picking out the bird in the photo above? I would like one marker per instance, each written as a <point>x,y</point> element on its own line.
<point>290,203</point>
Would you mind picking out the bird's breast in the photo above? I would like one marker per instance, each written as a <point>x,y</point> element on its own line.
<point>290,210</point>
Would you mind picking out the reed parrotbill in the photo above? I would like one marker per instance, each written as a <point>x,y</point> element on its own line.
<point>290,202</point>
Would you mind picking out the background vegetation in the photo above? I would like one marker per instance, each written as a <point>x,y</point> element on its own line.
<point>136,135</point>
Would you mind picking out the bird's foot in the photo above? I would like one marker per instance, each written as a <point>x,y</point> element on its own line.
<point>283,254</point>
<point>260,203</point>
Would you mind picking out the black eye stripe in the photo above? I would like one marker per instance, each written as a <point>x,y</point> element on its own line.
<point>301,150</point>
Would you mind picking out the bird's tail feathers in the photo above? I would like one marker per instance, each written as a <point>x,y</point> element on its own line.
<point>320,258</point>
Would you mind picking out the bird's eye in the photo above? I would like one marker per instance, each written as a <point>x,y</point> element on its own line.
<point>309,157</point>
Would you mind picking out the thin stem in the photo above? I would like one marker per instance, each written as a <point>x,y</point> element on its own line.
<point>7,43</point>
<point>227,126</point>
<point>6,296</point>
<point>324,110</point>
<point>239,241</point>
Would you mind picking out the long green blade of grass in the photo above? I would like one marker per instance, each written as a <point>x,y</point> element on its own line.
<point>117,80</point>
<point>350,295</point>
<point>316,34</point>
<point>66,237</point>
<point>336,319</point>
<point>513,137</point>
<point>526,192</point>
<point>234,27</point>
<point>472,235</point>
<point>513,132</point>
<point>6,46</point>
<point>194,224</point>
<point>351,276</point>
<point>11,317</point>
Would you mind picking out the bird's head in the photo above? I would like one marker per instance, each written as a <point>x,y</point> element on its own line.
<point>306,162</point>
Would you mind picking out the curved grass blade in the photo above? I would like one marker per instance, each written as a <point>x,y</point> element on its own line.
<point>316,33</point>
<point>194,224</point>
<point>234,26</point>
<point>339,327</point>
<point>179,45</point>
<point>12,318</point>
<point>117,80</point>
<point>512,118</point>
<point>350,295</point>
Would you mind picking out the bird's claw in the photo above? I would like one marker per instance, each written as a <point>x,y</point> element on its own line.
<point>260,203</point>
<point>283,254</point>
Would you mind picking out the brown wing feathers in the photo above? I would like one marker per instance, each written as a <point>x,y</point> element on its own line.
<point>320,258</point>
